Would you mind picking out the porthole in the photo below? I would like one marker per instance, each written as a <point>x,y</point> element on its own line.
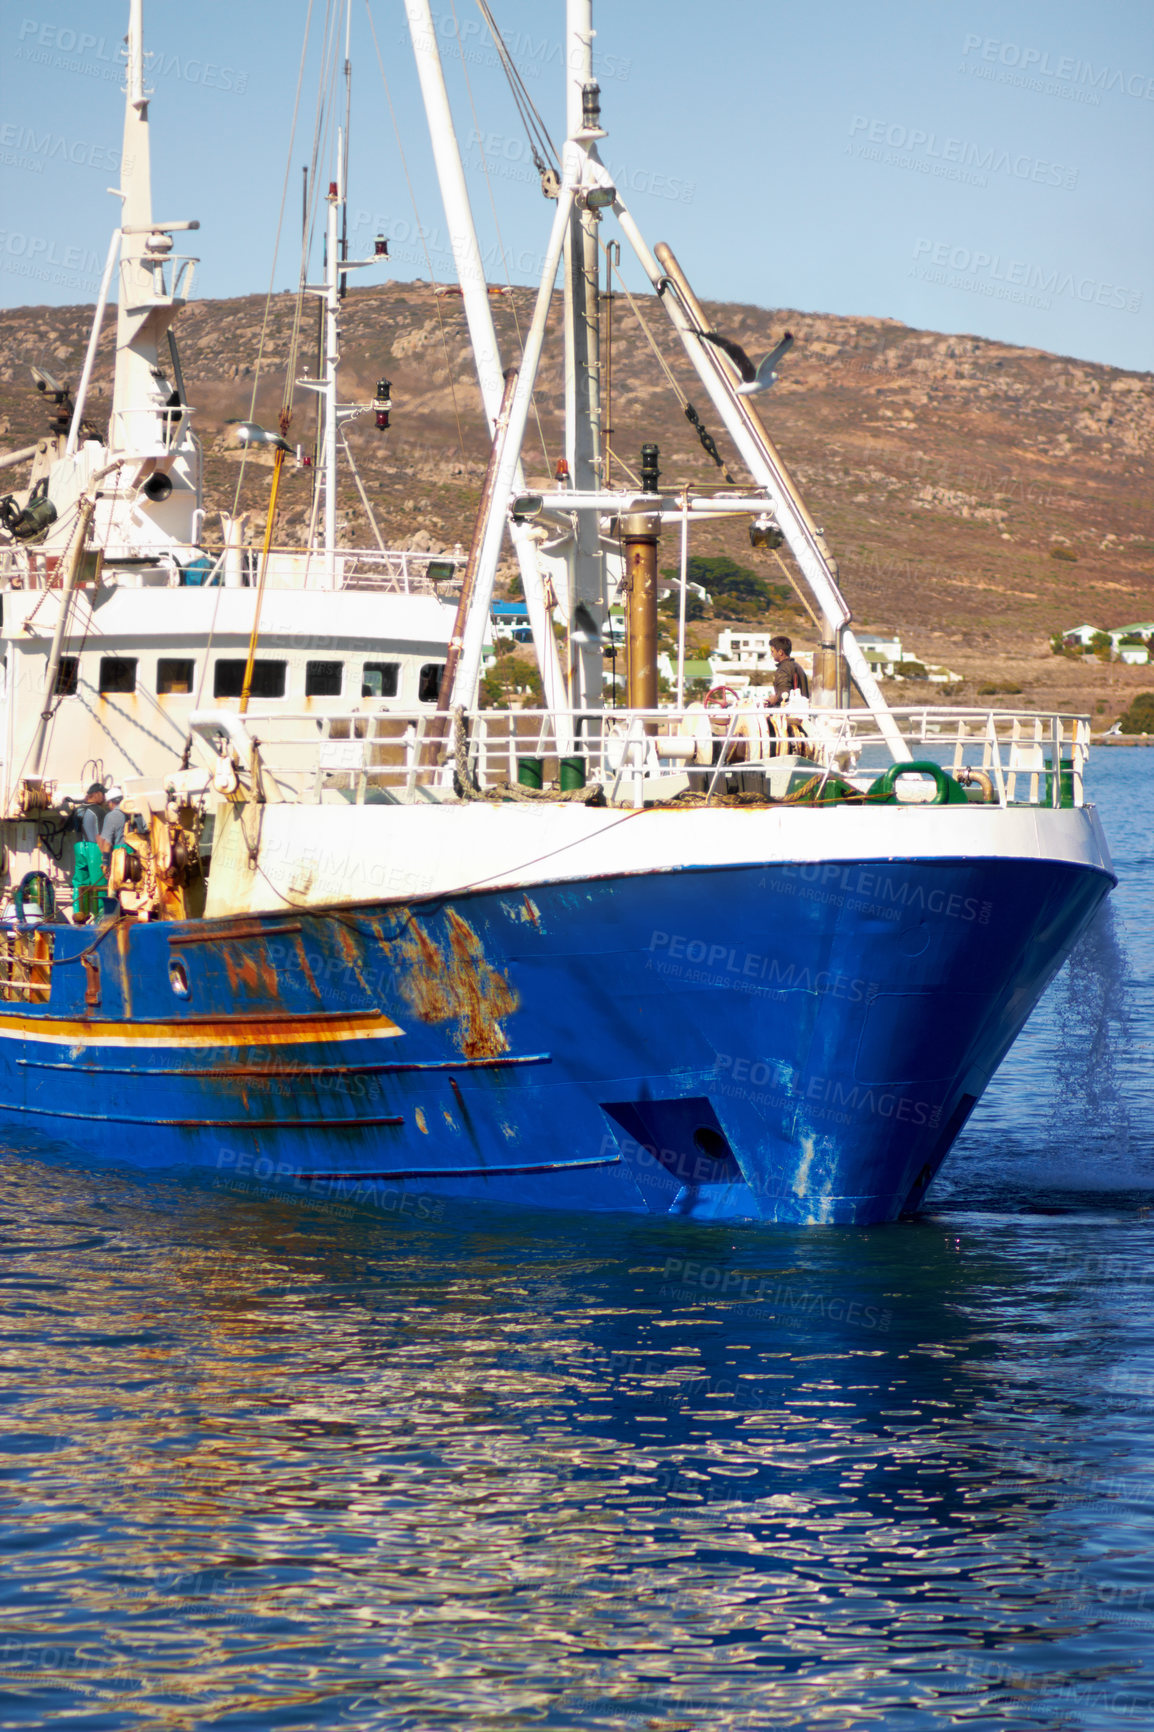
<point>711,1142</point>
<point>178,979</point>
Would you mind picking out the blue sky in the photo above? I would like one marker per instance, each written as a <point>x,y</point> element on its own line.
<point>957,166</point>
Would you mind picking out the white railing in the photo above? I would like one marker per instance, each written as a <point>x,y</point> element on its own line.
<point>995,757</point>
<point>171,277</point>
<point>395,570</point>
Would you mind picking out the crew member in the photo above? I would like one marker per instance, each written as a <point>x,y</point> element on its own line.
<point>788,676</point>
<point>88,878</point>
<point>112,829</point>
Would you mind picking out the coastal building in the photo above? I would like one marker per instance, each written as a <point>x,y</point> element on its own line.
<point>882,651</point>
<point>743,652</point>
<point>1134,653</point>
<point>510,620</point>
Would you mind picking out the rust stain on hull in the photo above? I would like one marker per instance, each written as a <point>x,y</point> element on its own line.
<point>253,972</point>
<point>456,984</point>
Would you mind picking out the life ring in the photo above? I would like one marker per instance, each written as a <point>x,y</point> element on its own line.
<point>946,790</point>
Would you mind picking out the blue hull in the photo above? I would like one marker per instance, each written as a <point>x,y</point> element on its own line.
<point>783,1043</point>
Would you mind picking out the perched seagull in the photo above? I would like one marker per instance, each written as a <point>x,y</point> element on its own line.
<point>753,379</point>
<point>250,433</point>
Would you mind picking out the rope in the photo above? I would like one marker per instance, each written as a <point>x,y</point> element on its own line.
<point>356,474</point>
<point>287,401</point>
<point>708,443</point>
<point>501,49</point>
<point>466,783</point>
<point>539,139</point>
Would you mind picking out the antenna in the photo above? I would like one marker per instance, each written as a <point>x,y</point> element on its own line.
<point>343,167</point>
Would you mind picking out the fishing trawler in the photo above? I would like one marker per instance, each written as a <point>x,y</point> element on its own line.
<point>724,963</point>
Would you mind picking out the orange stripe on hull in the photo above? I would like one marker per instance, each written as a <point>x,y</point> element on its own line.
<point>202,1032</point>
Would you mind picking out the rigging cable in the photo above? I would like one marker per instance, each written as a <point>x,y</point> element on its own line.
<point>708,443</point>
<point>272,273</point>
<point>540,142</point>
<point>507,62</point>
<point>420,231</point>
<point>260,355</point>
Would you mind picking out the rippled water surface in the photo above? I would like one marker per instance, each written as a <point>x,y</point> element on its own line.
<point>271,1465</point>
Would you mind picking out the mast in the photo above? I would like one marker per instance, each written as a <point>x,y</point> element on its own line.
<point>479,318</point>
<point>132,381</point>
<point>154,504</point>
<point>332,304</point>
<point>582,364</point>
<point>333,413</point>
<point>149,420</point>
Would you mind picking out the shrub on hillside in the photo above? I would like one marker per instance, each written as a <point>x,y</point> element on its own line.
<point>1139,718</point>
<point>1064,553</point>
<point>507,678</point>
<point>735,590</point>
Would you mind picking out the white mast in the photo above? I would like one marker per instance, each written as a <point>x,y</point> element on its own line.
<point>334,413</point>
<point>479,317</point>
<point>154,503</point>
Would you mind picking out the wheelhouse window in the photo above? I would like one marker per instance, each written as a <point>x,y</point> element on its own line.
<point>380,679</point>
<point>268,679</point>
<point>118,675</point>
<point>429,682</point>
<point>173,675</point>
<point>67,677</point>
<point>324,679</point>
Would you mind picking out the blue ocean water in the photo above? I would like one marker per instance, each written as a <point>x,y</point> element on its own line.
<point>272,1464</point>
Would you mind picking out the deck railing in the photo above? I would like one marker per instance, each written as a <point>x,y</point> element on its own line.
<point>1000,757</point>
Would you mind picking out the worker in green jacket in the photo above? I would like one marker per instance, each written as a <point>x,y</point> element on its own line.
<point>88,874</point>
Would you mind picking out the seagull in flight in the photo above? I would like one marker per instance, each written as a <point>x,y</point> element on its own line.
<point>753,379</point>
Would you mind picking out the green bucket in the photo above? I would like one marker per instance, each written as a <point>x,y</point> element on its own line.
<point>529,772</point>
<point>572,774</point>
<point>1065,786</point>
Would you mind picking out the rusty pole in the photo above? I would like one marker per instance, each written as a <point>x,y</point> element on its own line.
<point>639,534</point>
<point>639,540</point>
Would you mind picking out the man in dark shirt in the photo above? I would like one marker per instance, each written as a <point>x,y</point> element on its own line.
<point>788,676</point>
<point>112,829</point>
<point>88,866</point>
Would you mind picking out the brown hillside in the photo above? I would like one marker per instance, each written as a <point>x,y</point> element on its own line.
<point>944,470</point>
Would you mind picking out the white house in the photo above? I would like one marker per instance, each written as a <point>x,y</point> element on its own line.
<point>882,651</point>
<point>1133,654</point>
<point>743,652</point>
<point>1081,634</point>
